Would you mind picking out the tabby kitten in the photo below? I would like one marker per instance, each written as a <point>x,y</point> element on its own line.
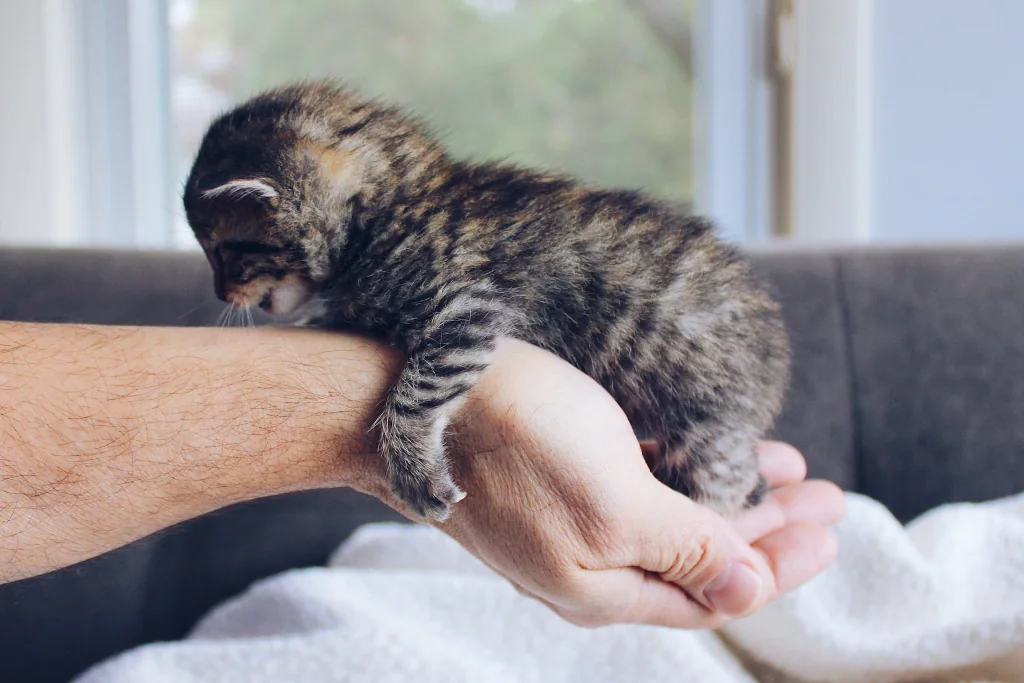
<point>314,203</point>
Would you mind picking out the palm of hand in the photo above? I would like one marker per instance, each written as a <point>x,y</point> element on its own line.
<point>562,504</point>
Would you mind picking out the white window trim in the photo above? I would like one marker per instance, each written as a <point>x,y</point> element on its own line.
<point>733,115</point>
<point>831,120</point>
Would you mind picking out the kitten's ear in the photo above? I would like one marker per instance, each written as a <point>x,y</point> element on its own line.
<point>242,188</point>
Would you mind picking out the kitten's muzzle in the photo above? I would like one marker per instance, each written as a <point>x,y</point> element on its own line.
<point>242,297</point>
<point>267,301</point>
<point>235,299</point>
<point>277,297</point>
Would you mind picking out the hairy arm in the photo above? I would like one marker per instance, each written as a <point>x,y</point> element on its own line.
<point>109,434</point>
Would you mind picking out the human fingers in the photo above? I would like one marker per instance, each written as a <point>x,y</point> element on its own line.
<point>780,463</point>
<point>796,554</point>
<point>808,502</point>
<point>691,547</point>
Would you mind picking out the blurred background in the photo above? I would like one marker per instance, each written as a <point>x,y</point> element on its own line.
<point>786,120</point>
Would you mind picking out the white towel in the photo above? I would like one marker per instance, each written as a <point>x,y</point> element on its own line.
<point>940,600</point>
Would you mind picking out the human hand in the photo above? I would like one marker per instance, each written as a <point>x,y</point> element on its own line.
<point>561,503</point>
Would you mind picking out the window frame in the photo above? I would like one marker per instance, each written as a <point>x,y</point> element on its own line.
<point>828,121</point>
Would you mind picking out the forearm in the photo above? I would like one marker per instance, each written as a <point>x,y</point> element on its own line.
<point>109,434</point>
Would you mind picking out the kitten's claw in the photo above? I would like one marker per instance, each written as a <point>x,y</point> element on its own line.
<point>758,495</point>
<point>426,496</point>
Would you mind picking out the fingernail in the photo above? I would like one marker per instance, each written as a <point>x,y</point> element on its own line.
<point>735,591</point>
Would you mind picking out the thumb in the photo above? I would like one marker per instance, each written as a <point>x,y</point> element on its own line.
<point>691,547</point>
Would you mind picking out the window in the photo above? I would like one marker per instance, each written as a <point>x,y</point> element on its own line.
<point>111,97</point>
<point>816,121</point>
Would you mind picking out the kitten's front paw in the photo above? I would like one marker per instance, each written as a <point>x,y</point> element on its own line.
<point>427,494</point>
<point>413,448</point>
<point>759,494</point>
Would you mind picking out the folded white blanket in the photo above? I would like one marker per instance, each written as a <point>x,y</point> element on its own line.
<point>942,600</point>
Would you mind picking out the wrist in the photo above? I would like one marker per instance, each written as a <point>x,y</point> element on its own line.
<point>234,415</point>
<point>304,403</point>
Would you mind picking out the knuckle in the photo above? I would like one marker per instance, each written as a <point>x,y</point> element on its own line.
<point>581,605</point>
<point>691,559</point>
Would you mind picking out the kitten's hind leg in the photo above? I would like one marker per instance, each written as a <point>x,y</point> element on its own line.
<point>441,368</point>
<point>713,466</point>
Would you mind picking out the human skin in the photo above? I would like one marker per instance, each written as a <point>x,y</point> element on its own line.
<point>112,433</point>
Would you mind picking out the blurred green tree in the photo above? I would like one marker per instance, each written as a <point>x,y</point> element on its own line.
<point>594,88</point>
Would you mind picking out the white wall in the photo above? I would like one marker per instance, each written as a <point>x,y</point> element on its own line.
<point>948,103</point>
<point>24,144</point>
<point>83,93</point>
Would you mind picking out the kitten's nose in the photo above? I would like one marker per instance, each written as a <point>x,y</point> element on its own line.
<point>218,286</point>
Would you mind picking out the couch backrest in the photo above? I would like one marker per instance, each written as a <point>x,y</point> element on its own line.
<point>907,386</point>
<point>909,375</point>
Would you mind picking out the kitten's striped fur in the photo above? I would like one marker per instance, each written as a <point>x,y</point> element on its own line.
<point>311,199</point>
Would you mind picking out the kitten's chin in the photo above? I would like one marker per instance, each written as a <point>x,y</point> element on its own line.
<point>285,299</point>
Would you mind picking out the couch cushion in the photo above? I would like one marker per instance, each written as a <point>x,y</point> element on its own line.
<point>106,287</point>
<point>818,415</point>
<point>937,346</point>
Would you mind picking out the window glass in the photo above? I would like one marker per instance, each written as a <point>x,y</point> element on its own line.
<point>597,88</point>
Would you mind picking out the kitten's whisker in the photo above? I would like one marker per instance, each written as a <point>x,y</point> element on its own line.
<point>193,310</point>
<point>222,319</point>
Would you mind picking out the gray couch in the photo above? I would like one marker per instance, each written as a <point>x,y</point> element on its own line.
<point>908,387</point>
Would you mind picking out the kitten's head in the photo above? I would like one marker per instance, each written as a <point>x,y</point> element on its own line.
<point>274,189</point>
